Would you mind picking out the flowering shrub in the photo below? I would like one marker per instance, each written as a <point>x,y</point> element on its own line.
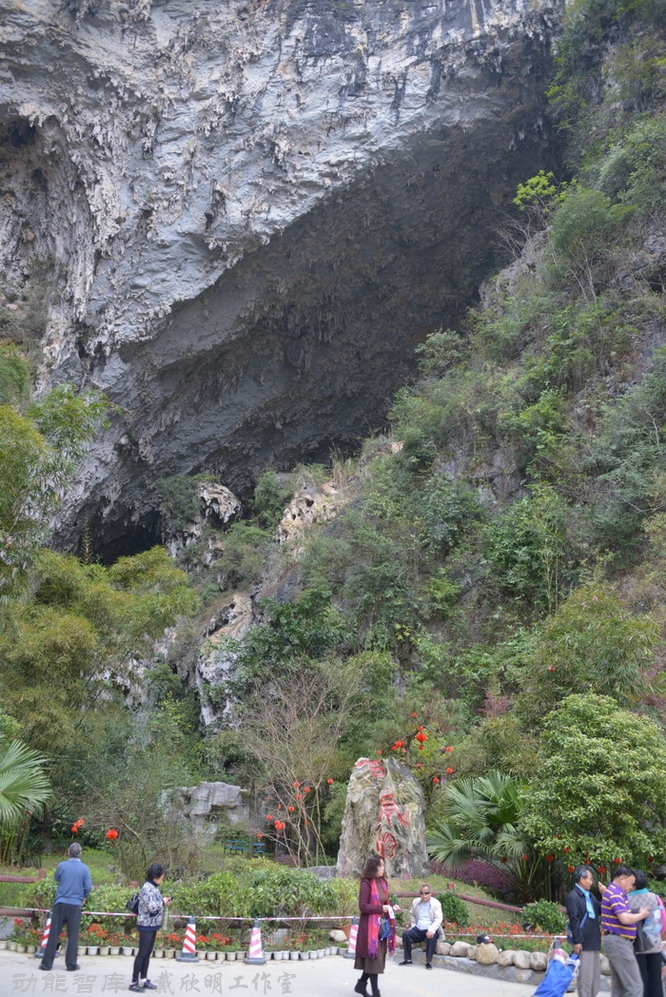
<point>26,932</point>
<point>475,873</point>
<point>213,942</point>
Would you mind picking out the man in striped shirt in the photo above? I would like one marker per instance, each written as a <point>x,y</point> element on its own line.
<point>618,929</point>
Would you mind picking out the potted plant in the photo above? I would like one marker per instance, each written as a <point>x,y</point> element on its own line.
<point>114,940</point>
<point>172,944</point>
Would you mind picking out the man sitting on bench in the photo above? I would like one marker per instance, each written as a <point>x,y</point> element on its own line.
<point>426,915</point>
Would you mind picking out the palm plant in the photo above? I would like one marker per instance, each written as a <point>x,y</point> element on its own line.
<point>24,788</point>
<point>480,819</point>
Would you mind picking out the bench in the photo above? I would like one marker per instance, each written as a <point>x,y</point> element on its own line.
<point>238,845</point>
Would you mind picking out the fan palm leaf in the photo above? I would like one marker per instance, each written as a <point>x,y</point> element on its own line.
<point>23,782</point>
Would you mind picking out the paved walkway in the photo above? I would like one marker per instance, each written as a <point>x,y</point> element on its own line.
<point>333,976</point>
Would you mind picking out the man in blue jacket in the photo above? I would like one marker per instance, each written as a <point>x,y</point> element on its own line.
<point>74,885</point>
<point>584,912</point>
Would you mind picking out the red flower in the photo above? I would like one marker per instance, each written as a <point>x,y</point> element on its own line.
<point>299,796</point>
<point>421,737</point>
<point>297,784</point>
<point>269,817</point>
<point>524,857</point>
<point>330,782</point>
<point>259,835</point>
<point>570,868</point>
<point>413,714</point>
<point>449,771</point>
<point>448,748</point>
<point>566,849</point>
<point>435,779</point>
<point>602,869</point>
<point>111,834</point>
<point>504,858</point>
<point>279,806</point>
<point>550,858</point>
<point>420,747</point>
<point>290,809</point>
<point>617,861</point>
<point>306,789</point>
<point>379,751</point>
<point>551,668</point>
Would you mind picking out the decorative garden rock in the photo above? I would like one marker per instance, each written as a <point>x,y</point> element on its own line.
<point>443,948</point>
<point>521,960</point>
<point>487,954</point>
<point>506,958</point>
<point>383,814</point>
<point>459,949</point>
<point>538,961</point>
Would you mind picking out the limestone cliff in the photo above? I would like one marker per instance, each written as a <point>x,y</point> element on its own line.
<point>251,210</point>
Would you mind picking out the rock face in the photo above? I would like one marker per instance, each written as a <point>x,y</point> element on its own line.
<point>249,212</point>
<point>383,815</point>
<point>200,805</point>
<point>216,662</point>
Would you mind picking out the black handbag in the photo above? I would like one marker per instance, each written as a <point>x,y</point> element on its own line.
<point>641,943</point>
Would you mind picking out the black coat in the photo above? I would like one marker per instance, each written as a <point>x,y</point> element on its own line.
<point>590,933</point>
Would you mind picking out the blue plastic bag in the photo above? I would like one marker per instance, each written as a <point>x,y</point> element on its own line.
<point>558,977</point>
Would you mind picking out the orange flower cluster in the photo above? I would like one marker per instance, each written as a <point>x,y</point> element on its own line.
<point>76,825</point>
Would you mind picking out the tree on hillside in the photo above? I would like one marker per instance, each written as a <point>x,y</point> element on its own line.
<point>600,794</point>
<point>291,736</point>
<point>40,446</point>
<point>593,643</point>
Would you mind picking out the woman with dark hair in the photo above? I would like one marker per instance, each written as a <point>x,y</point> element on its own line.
<point>148,921</point>
<point>370,949</point>
<point>647,946</point>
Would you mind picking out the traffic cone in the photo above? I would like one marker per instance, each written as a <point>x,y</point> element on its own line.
<point>41,949</point>
<point>255,952</point>
<point>351,947</point>
<point>189,950</point>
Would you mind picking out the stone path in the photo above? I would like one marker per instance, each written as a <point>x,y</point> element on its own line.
<point>334,976</point>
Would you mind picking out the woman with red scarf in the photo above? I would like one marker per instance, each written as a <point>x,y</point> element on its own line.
<point>373,904</point>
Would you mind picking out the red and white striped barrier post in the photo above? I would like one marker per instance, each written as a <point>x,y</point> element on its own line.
<point>255,952</point>
<point>351,947</point>
<point>41,948</point>
<point>189,950</point>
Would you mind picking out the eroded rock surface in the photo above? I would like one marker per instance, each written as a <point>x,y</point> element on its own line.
<point>204,805</point>
<point>250,212</point>
<point>384,815</point>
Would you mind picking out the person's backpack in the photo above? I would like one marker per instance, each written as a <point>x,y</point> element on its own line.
<point>132,904</point>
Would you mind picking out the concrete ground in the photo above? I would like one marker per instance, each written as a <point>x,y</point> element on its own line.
<point>332,976</point>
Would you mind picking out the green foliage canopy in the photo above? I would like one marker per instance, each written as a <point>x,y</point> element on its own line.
<point>600,791</point>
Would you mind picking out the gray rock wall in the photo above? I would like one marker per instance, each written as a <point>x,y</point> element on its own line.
<point>251,211</point>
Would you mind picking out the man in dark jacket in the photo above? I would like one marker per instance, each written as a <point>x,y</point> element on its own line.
<point>584,912</point>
